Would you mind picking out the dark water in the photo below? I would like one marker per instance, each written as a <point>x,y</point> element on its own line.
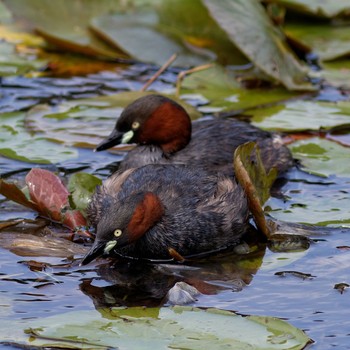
<point>38,286</point>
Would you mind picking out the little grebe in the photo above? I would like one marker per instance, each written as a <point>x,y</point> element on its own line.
<point>164,134</point>
<point>143,212</point>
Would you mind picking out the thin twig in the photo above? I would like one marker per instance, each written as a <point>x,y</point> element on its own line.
<point>160,71</point>
<point>182,75</point>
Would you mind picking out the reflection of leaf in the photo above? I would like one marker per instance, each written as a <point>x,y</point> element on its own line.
<point>327,41</point>
<point>172,327</point>
<point>250,29</point>
<point>219,86</point>
<point>138,36</point>
<point>63,123</point>
<point>82,186</point>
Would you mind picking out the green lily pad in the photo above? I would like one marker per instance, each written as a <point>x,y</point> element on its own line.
<point>190,23</point>
<point>11,63</point>
<point>137,35</point>
<point>337,73</point>
<point>72,33</point>
<point>320,8</point>
<point>218,86</point>
<point>174,327</point>
<point>63,123</point>
<point>302,115</point>
<point>82,186</point>
<point>250,29</point>
<point>17,143</point>
<point>322,157</point>
<point>327,41</point>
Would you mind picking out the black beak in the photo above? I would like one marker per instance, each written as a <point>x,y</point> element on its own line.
<point>96,250</point>
<point>113,139</point>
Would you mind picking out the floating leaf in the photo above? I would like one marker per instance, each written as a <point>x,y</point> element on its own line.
<point>82,186</point>
<point>52,198</point>
<point>63,123</point>
<point>337,73</point>
<point>174,327</point>
<point>17,143</point>
<point>137,35</point>
<point>255,181</point>
<point>302,115</point>
<point>48,192</point>
<point>326,41</point>
<point>248,26</point>
<point>322,157</point>
<point>219,87</point>
<point>72,33</point>
<point>320,8</point>
<point>190,23</point>
<point>13,193</point>
<point>13,64</point>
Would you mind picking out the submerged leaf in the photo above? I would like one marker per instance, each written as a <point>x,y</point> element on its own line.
<point>248,26</point>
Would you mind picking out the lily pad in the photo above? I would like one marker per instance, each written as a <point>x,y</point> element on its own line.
<point>322,157</point>
<point>173,327</point>
<point>63,123</point>
<point>11,63</point>
<point>218,86</point>
<point>190,23</point>
<point>250,29</point>
<point>72,33</point>
<point>337,73</point>
<point>302,115</point>
<point>326,41</point>
<point>137,35</point>
<point>82,186</point>
<point>320,8</point>
<point>17,143</point>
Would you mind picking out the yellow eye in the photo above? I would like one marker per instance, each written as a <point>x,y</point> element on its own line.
<point>135,125</point>
<point>118,232</point>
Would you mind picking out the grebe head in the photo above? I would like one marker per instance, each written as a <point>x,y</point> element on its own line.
<point>124,222</point>
<point>151,120</point>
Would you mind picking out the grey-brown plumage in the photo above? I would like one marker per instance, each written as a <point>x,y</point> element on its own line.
<point>164,134</point>
<point>197,212</point>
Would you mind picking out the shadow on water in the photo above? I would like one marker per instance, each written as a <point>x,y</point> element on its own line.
<point>40,273</point>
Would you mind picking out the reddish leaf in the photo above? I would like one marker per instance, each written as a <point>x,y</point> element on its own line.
<point>48,191</point>
<point>12,192</point>
<point>74,219</point>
